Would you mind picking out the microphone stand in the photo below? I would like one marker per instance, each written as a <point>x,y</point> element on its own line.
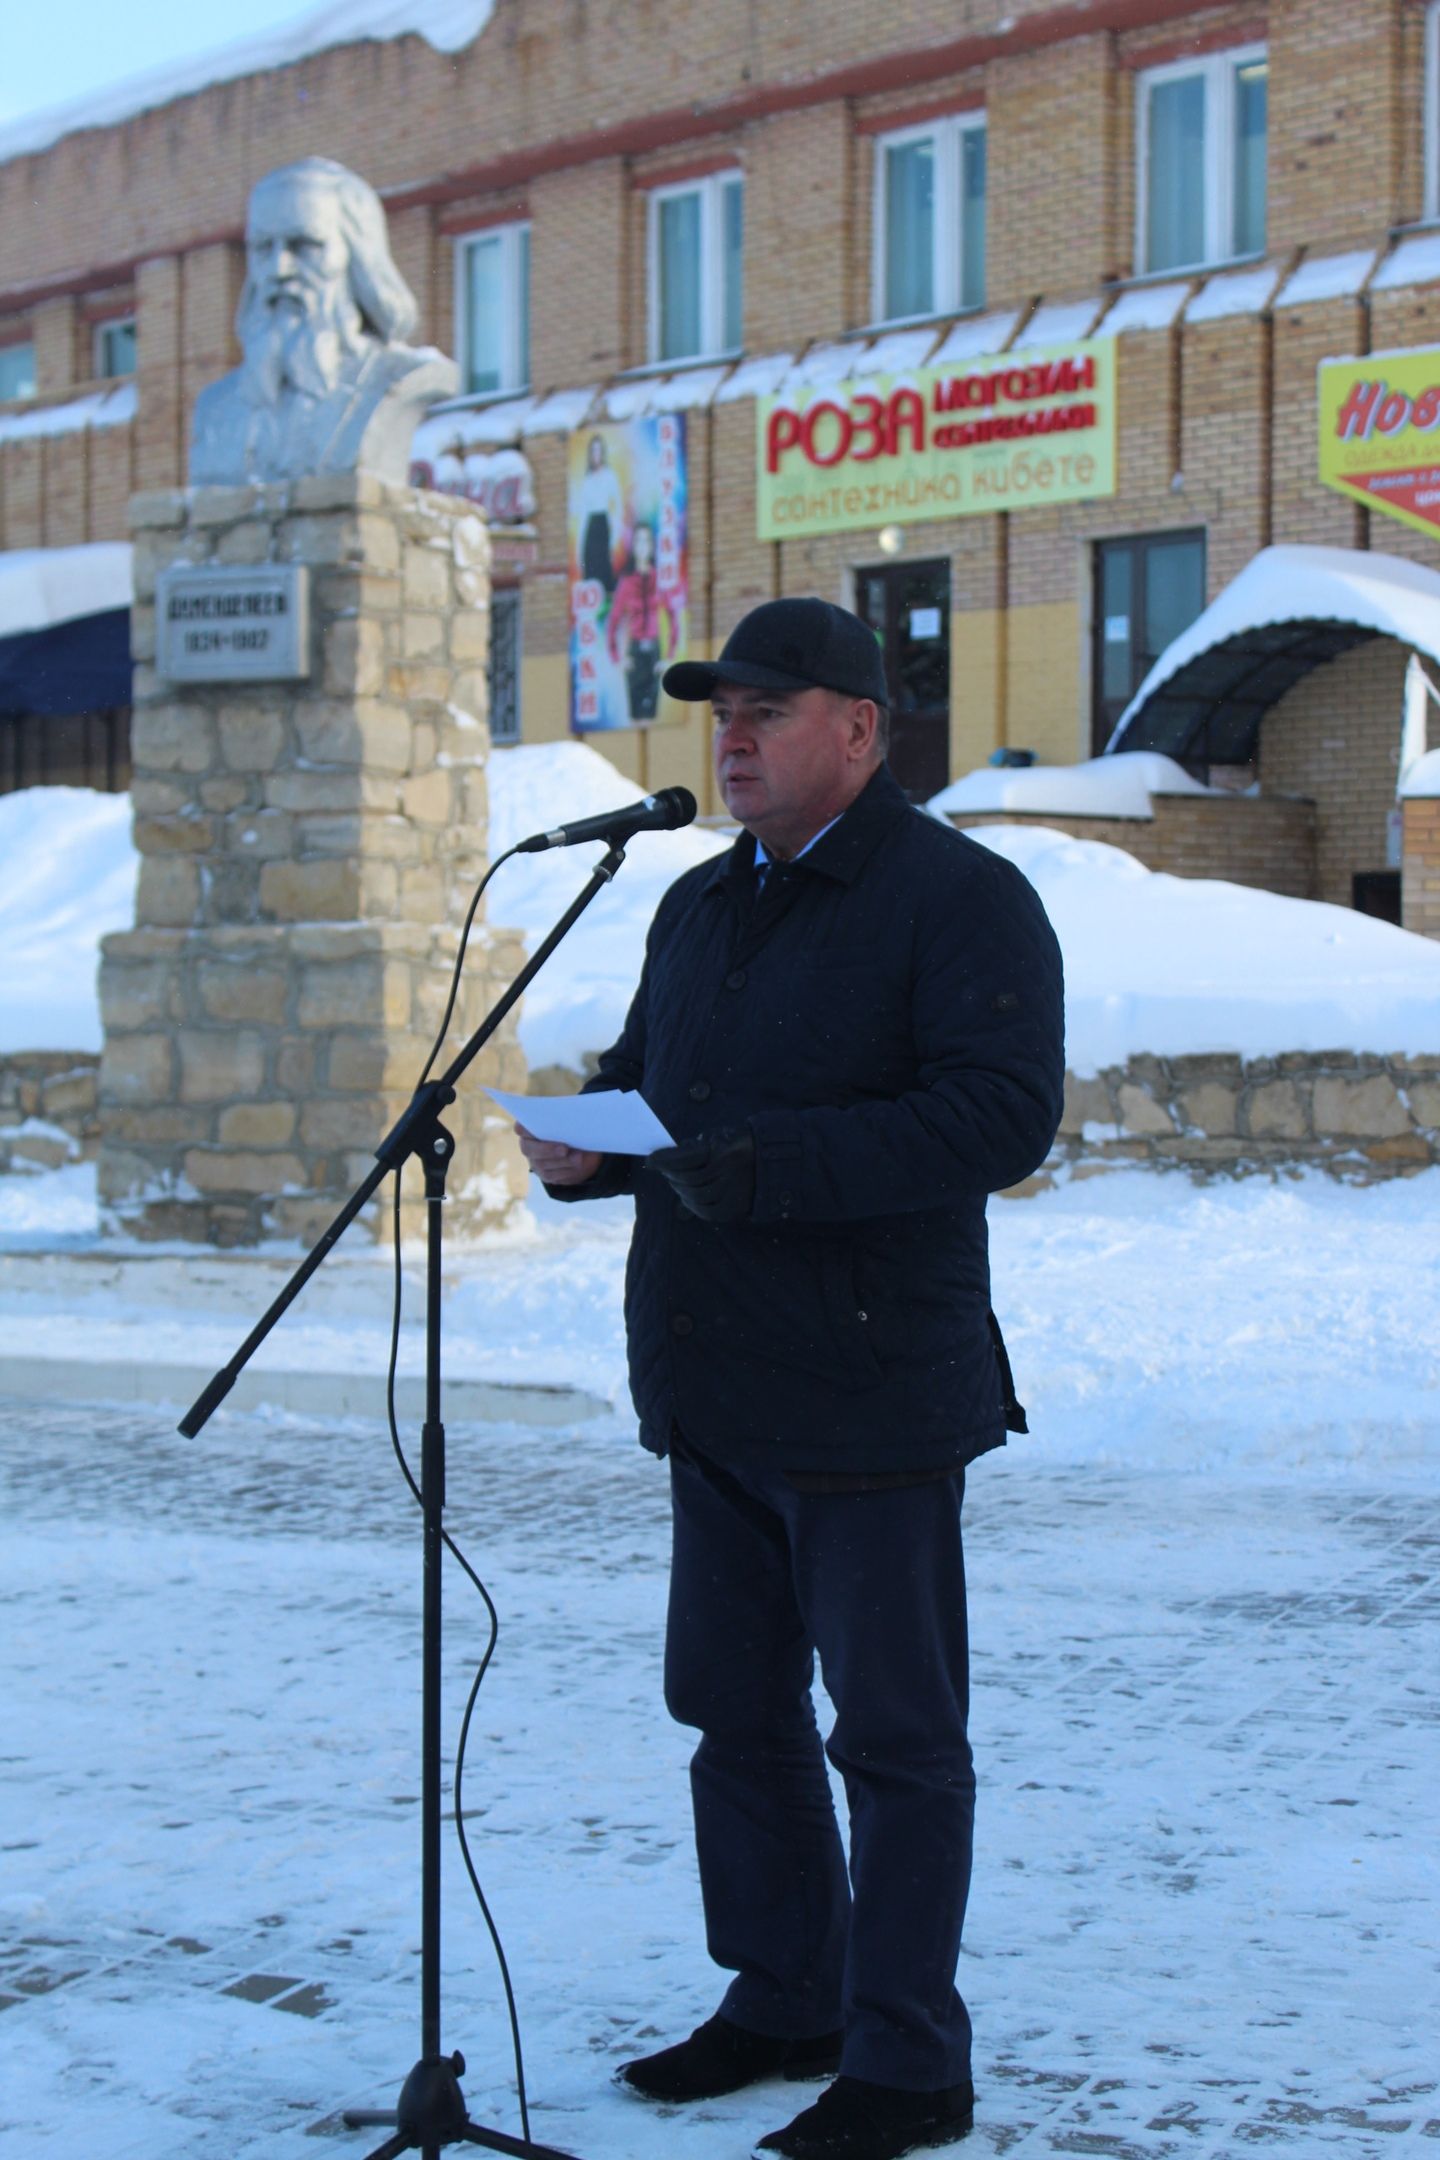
<point>431,2110</point>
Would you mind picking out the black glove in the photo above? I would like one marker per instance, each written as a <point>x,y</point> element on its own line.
<point>714,1175</point>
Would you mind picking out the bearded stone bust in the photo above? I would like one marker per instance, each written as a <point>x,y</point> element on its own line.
<point>327,384</point>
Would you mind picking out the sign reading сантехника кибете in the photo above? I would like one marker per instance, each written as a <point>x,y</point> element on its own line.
<point>1008,432</point>
<point>233,624</point>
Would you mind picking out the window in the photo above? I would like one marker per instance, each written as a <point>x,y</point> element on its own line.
<point>1147,590</point>
<point>17,371</point>
<point>697,245</point>
<point>115,347</point>
<point>930,219</point>
<point>505,664</point>
<point>492,310</point>
<point>1201,189</point>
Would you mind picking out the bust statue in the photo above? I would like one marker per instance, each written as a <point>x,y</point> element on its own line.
<point>327,384</point>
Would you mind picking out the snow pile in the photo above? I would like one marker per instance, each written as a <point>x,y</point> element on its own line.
<point>69,879</point>
<point>1153,963</point>
<point>1176,966</point>
<point>578,1001</point>
<point>445,25</point>
<point>1120,786</point>
<point>43,586</point>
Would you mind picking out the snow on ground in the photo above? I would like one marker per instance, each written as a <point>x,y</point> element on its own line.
<point>1204,1599</point>
<point>447,25</point>
<point>1153,963</point>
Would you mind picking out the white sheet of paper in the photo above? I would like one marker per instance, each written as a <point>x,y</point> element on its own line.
<point>618,1121</point>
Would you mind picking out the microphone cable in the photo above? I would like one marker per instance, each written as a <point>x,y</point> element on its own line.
<point>397,1303</point>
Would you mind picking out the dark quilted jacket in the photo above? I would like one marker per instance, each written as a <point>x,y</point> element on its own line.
<point>888,1019</point>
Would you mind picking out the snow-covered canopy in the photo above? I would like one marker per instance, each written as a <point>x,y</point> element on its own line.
<point>1289,610</point>
<point>1120,786</point>
<point>40,587</point>
<point>447,25</point>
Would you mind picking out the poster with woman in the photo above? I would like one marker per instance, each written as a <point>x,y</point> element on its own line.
<point>628,569</point>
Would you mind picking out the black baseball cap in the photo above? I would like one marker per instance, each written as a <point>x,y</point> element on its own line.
<point>789,645</point>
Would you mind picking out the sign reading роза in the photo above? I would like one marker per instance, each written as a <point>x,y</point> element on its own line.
<point>233,625</point>
<point>1007,432</point>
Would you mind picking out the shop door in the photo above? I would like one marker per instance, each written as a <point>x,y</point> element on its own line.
<point>907,605</point>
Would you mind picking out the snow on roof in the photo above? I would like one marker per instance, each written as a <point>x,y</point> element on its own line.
<point>447,25</point>
<point>1415,261</point>
<point>757,378</point>
<point>43,586</point>
<point>689,390</point>
<point>1120,786</point>
<point>1061,322</point>
<point>1146,307</point>
<point>1235,292</point>
<point>1327,277</point>
<point>894,352</point>
<point>98,408</point>
<point>560,412</point>
<point>1307,584</point>
<point>1177,966</point>
<point>480,427</point>
<point>976,335</point>
<point>1423,778</point>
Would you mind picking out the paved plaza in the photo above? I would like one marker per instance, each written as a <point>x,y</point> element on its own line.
<point>1205,1909</point>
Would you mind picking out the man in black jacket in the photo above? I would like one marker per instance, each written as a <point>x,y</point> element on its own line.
<point>852,1023</point>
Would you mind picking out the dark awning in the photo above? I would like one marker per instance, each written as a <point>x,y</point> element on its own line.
<point>70,667</point>
<point>1290,610</point>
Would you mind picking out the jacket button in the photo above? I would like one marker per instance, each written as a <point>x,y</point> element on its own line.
<point>735,980</point>
<point>681,1323</point>
<point>699,1091</point>
<point>787,1201</point>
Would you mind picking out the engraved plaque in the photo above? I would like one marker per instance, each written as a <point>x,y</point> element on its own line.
<point>233,625</point>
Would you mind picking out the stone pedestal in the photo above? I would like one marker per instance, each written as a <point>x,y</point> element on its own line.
<point>308,850</point>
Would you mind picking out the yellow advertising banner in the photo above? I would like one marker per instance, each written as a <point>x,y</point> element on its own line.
<point>1010,431</point>
<point>1380,433</point>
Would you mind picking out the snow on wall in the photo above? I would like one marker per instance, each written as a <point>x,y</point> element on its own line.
<point>1117,786</point>
<point>447,25</point>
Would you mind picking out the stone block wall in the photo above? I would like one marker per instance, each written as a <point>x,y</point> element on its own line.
<point>49,1108</point>
<point>1359,1117</point>
<point>1264,842</point>
<point>308,850</point>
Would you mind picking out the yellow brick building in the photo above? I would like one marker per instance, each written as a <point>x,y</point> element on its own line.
<point>613,211</point>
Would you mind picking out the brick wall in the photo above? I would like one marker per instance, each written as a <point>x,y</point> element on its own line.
<point>1217,420</point>
<point>1249,840</point>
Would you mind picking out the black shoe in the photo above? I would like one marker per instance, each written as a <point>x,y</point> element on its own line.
<point>854,2120</point>
<point>720,2058</point>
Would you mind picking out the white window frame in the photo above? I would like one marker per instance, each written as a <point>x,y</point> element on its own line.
<point>710,188</point>
<point>97,348</point>
<point>1430,195</point>
<point>947,270</point>
<point>1219,70</point>
<point>514,349</point>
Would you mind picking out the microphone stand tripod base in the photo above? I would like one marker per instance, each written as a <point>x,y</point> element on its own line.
<point>431,2113</point>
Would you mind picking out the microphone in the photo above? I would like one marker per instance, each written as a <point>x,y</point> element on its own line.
<point>657,813</point>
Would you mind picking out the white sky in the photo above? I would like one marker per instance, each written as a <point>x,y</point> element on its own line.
<point>67,48</point>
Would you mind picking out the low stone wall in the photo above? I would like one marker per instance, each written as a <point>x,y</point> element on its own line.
<point>1360,1118</point>
<point>48,1108</point>
<point>1264,841</point>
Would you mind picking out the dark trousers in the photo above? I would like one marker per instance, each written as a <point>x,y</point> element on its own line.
<point>762,1578</point>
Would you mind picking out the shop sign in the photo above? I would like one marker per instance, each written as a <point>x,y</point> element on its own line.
<point>499,482</point>
<point>1380,433</point>
<point>1013,432</point>
<point>233,625</point>
<point>628,570</point>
